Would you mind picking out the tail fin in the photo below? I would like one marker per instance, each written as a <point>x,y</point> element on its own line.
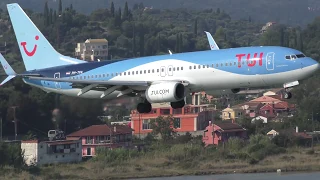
<point>8,70</point>
<point>36,51</point>
<point>212,42</point>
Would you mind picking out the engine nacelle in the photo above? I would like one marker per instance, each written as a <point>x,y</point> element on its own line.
<point>165,92</point>
<point>223,92</point>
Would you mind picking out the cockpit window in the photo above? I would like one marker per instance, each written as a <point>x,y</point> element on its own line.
<point>293,57</point>
<point>300,55</point>
<point>288,57</point>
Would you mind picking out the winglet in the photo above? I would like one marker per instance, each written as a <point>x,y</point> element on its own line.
<point>8,70</point>
<point>212,42</point>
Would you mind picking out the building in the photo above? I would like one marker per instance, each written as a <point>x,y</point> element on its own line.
<point>190,118</point>
<point>92,50</point>
<point>218,133</point>
<point>232,113</point>
<point>266,27</point>
<point>114,136</point>
<point>38,152</point>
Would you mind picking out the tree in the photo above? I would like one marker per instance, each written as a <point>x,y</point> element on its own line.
<point>46,14</point>
<point>134,40</point>
<point>164,127</point>
<point>196,27</point>
<point>60,7</point>
<point>126,11</point>
<point>112,9</point>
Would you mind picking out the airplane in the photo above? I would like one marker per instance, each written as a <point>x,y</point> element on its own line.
<point>154,79</point>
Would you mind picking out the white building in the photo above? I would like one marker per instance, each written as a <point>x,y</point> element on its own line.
<point>50,152</point>
<point>92,50</point>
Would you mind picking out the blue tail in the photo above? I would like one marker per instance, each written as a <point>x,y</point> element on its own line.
<point>36,51</point>
<point>212,42</point>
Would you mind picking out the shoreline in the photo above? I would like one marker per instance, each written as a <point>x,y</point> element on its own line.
<point>206,173</point>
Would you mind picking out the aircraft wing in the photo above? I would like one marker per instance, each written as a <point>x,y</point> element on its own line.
<point>79,81</point>
<point>125,87</point>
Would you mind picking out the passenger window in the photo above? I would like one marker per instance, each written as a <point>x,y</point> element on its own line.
<point>221,64</point>
<point>195,67</point>
<point>231,64</point>
<point>91,76</point>
<point>226,64</point>
<point>207,65</point>
<point>116,74</point>
<point>84,77</point>
<point>145,71</point>
<point>199,66</point>
<point>137,72</point>
<point>181,68</point>
<point>177,68</point>
<point>124,73</point>
<point>102,75</point>
<point>174,69</point>
<point>204,66</point>
<point>141,72</point>
<point>169,69</point>
<point>190,67</point>
<point>88,77</point>
<point>152,70</point>
<point>132,72</point>
<point>235,63</point>
<point>217,65</point>
<point>157,70</point>
<point>162,70</point>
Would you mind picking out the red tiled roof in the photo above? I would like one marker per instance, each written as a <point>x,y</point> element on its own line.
<point>102,130</point>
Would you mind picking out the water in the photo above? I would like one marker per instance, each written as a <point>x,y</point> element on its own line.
<point>258,176</point>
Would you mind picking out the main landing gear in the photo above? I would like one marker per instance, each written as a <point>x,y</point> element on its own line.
<point>286,94</point>
<point>177,105</point>
<point>144,107</point>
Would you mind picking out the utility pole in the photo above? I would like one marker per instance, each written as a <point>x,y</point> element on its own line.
<point>1,128</point>
<point>15,121</point>
<point>312,131</point>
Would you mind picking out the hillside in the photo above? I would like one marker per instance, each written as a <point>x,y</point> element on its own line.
<point>291,12</point>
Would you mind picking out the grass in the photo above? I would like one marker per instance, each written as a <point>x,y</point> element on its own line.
<point>181,159</point>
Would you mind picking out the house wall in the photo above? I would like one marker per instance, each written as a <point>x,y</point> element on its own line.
<point>42,153</point>
<point>30,152</point>
<point>63,155</point>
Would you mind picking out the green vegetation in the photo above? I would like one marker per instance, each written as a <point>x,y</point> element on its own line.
<point>291,12</point>
<point>161,158</point>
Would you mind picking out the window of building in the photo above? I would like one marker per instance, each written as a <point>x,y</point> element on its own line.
<point>146,124</point>
<point>164,111</point>
<point>177,111</point>
<point>176,123</point>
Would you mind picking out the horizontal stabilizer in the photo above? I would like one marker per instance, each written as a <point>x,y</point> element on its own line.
<point>7,79</point>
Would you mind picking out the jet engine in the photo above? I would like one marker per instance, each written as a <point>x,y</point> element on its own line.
<point>165,92</point>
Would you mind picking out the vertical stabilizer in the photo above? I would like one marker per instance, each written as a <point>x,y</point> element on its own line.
<point>36,51</point>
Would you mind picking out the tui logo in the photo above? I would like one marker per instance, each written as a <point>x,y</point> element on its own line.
<point>28,53</point>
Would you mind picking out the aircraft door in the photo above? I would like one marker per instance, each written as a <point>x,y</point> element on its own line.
<point>170,70</point>
<point>162,71</point>
<point>57,84</point>
<point>270,61</point>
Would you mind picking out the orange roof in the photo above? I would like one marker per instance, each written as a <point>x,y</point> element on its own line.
<point>266,99</point>
<point>102,130</point>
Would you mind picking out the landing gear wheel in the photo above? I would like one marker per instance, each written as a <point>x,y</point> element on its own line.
<point>287,95</point>
<point>144,107</point>
<point>177,105</point>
